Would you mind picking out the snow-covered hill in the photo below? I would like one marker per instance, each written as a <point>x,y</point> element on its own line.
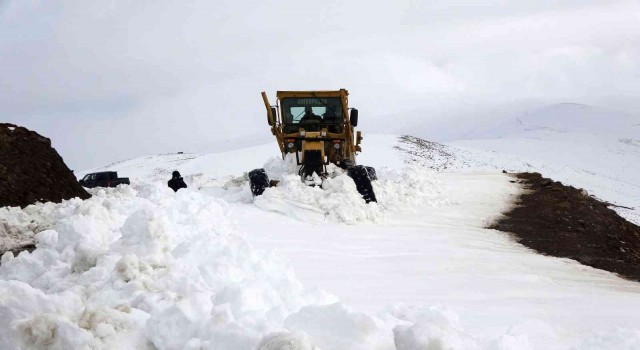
<point>559,119</point>
<point>210,267</point>
<point>584,146</point>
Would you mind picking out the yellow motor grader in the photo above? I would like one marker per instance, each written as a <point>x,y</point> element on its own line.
<point>317,127</point>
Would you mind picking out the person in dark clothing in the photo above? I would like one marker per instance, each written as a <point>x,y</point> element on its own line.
<point>176,182</point>
<point>309,116</point>
<point>310,119</point>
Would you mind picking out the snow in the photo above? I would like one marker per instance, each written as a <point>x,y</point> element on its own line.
<point>214,165</point>
<point>584,146</point>
<point>140,263</point>
<point>438,256</point>
<point>19,226</point>
<point>210,267</point>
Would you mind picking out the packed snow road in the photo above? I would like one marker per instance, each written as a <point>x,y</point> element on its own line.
<point>210,267</point>
<point>441,255</point>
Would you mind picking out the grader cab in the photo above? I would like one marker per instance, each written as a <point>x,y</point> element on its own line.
<point>317,128</point>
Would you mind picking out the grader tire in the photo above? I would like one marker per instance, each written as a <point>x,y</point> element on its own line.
<point>258,181</point>
<point>362,179</point>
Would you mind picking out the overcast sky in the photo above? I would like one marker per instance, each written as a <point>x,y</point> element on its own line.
<point>114,79</point>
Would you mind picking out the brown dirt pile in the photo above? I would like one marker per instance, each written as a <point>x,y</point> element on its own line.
<point>564,221</point>
<point>31,170</point>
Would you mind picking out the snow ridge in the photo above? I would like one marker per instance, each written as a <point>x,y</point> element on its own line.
<point>137,264</point>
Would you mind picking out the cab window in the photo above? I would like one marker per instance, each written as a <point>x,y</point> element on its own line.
<point>328,110</point>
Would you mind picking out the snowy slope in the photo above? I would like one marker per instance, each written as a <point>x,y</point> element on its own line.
<point>584,146</point>
<point>209,267</point>
<point>160,167</point>
<point>558,119</point>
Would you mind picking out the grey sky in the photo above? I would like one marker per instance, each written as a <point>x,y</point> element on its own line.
<point>108,80</point>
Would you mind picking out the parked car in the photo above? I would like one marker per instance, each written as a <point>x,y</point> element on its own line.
<point>103,179</point>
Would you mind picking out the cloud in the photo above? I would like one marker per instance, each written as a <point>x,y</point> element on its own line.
<point>159,76</point>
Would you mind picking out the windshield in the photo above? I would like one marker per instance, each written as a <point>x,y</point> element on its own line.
<point>311,110</point>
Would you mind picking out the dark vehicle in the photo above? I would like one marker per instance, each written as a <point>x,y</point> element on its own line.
<point>103,179</point>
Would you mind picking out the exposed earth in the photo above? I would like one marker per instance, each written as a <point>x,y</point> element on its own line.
<point>31,170</point>
<point>564,221</point>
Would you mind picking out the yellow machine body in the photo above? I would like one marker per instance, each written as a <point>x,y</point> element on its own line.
<point>331,136</point>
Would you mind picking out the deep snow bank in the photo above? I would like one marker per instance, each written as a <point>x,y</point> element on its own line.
<point>141,264</point>
<point>337,200</point>
<point>141,267</point>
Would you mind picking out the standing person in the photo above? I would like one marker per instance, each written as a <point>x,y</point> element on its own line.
<point>176,182</point>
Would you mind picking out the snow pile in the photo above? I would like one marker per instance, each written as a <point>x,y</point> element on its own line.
<point>433,327</point>
<point>18,227</point>
<point>141,264</point>
<point>337,326</point>
<point>338,200</point>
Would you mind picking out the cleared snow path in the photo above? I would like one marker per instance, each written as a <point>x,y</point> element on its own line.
<point>441,255</point>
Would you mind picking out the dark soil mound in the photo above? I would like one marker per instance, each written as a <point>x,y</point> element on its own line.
<point>564,221</point>
<point>31,170</point>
